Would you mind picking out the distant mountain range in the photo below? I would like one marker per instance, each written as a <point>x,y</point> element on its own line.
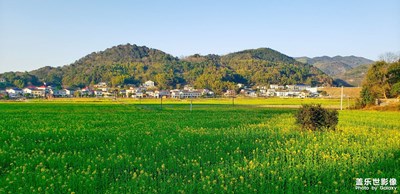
<point>125,65</point>
<point>348,71</point>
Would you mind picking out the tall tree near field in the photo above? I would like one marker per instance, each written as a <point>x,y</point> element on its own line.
<point>377,80</point>
<point>382,81</point>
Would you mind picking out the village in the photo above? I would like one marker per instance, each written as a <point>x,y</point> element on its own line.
<point>149,90</point>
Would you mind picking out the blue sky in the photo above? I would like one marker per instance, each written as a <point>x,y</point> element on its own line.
<point>37,33</point>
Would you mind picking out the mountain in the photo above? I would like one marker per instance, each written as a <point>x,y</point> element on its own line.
<point>355,76</point>
<point>125,65</point>
<point>265,65</point>
<point>345,70</point>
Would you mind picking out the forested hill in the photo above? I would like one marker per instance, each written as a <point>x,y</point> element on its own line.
<point>347,70</point>
<point>128,64</point>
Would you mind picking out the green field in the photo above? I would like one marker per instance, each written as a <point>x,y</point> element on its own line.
<point>261,102</point>
<point>135,147</point>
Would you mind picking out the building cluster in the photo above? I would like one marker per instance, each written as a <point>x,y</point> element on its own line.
<point>146,90</point>
<point>37,92</point>
<point>299,90</point>
<point>149,90</point>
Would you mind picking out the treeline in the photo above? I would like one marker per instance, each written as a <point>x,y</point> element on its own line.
<point>382,81</point>
<point>125,65</point>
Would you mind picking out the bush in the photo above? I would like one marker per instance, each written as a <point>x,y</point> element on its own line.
<point>314,117</point>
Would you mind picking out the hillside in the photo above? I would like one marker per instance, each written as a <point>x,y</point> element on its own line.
<point>348,70</point>
<point>128,64</point>
<point>356,75</point>
<point>265,65</point>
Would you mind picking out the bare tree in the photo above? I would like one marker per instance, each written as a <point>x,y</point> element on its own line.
<point>389,57</point>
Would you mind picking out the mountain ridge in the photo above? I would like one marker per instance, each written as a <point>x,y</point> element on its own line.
<point>340,67</point>
<point>131,65</point>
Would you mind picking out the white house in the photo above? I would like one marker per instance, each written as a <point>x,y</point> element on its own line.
<point>239,85</point>
<point>43,88</point>
<point>107,93</point>
<point>185,94</point>
<point>302,87</point>
<point>230,93</point>
<point>86,91</point>
<point>148,84</point>
<point>14,92</point>
<point>98,93</point>
<point>175,93</point>
<point>101,86</point>
<point>133,90</point>
<point>304,94</point>
<point>189,94</point>
<point>62,92</point>
<point>270,92</point>
<point>276,87</point>
<point>38,93</point>
<point>162,93</point>
<point>282,93</point>
<point>130,92</point>
<point>27,91</point>
<point>69,92</point>
<point>2,80</point>
<point>251,93</point>
<point>293,93</point>
<point>313,90</point>
<point>138,95</point>
<point>58,93</point>
<point>206,92</point>
<point>150,93</point>
<point>248,92</point>
<point>290,87</point>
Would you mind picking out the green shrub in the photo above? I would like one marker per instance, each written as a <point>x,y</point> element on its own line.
<point>314,117</point>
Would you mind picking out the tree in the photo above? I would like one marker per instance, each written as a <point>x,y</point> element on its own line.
<point>162,81</point>
<point>314,117</point>
<point>389,57</point>
<point>395,91</point>
<point>393,73</point>
<point>376,80</point>
<point>117,80</point>
<point>382,81</point>
<point>367,98</point>
<point>19,83</point>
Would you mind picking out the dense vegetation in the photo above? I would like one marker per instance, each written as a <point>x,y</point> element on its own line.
<point>131,64</point>
<point>125,148</point>
<point>314,117</point>
<point>382,81</point>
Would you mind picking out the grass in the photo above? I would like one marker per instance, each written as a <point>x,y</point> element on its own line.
<point>126,147</point>
<point>281,102</point>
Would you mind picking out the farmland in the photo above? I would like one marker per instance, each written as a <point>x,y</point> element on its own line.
<point>135,147</point>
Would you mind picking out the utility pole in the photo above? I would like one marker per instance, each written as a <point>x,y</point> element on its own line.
<point>233,97</point>
<point>191,104</point>
<point>341,100</point>
<point>161,104</point>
